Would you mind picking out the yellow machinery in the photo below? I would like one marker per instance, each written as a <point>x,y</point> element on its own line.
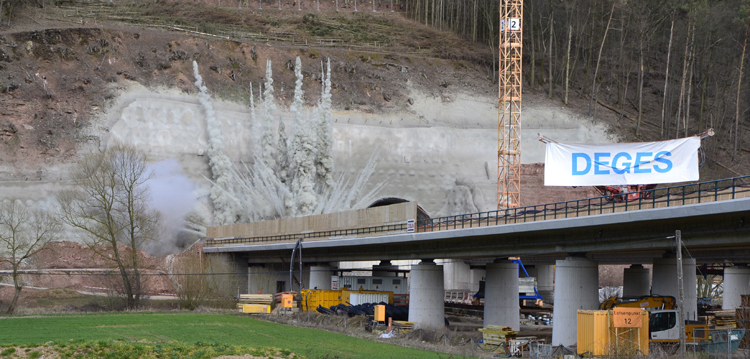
<point>663,322</point>
<point>645,302</point>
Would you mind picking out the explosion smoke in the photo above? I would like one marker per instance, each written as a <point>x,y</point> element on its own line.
<point>288,179</point>
<point>225,206</point>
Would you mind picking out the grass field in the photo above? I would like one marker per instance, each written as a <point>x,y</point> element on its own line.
<point>191,328</point>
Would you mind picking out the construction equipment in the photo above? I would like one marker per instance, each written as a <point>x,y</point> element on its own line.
<point>509,105</point>
<point>649,302</point>
<point>664,319</point>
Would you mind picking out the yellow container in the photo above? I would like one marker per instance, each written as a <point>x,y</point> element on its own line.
<point>312,298</point>
<point>598,336</point>
<point>287,300</point>
<point>380,313</point>
<point>256,308</point>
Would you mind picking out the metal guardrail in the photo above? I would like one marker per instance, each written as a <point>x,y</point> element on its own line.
<point>343,233</point>
<point>711,191</point>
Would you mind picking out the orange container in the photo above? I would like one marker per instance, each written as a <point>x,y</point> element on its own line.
<point>380,313</point>
<point>286,300</point>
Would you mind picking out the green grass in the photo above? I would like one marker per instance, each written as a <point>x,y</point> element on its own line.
<point>190,329</point>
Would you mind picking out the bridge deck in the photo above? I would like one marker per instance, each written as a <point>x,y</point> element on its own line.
<point>705,192</point>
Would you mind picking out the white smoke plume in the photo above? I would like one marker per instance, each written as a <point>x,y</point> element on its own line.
<point>283,150</point>
<point>225,206</point>
<point>172,195</point>
<point>303,152</point>
<point>324,163</point>
<point>268,107</point>
<point>252,106</point>
<point>282,180</point>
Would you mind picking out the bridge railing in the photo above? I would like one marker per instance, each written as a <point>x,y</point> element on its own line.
<point>711,191</point>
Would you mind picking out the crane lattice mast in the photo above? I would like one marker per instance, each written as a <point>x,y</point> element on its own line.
<point>509,105</point>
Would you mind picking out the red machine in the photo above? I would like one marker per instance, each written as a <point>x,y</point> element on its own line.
<point>627,193</point>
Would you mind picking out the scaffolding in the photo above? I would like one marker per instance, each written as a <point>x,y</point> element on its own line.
<point>509,105</point>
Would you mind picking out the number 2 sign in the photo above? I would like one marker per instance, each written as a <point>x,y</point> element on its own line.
<point>515,24</point>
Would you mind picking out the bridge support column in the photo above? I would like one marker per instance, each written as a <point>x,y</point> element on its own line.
<point>545,284</point>
<point>384,269</point>
<point>426,295</point>
<point>261,280</point>
<point>736,283</point>
<point>576,287</point>
<point>476,276</point>
<point>501,295</point>
<point>636,281</point>
<point>665,283</point>
<point>320,277</point>
<point>457,275</point>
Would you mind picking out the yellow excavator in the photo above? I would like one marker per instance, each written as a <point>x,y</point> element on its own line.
<point>649,302</point>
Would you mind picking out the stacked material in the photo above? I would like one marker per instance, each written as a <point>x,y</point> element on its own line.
<point>494,336</point>
<point>255,303</point>
<point>725,319</point>
<point>256,299</point>
<point>402,326</point>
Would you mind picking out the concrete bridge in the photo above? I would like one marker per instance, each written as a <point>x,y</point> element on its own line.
<point>576,236</point>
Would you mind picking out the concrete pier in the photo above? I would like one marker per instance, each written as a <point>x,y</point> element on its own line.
<point>736,284</point>
<point>636,281</point>
<point>501,295</point>
<point>576,287</point>
<point>320,277</point>
<point>426,295</point>
<point>457,275</point>
<point>476,275</point>
<point>545,284</point>
<point>665,283</point>
<point>384,269</point>
<point>263,279</point>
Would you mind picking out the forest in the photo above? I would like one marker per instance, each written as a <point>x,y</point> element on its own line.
<point>673,67</point>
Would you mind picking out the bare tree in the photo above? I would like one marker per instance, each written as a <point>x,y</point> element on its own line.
<point>110,207</point>
<point>188,278</point>
<point>598,61</point>
<point>739,91</point>
<point>205,280</point>
<point>23,233</point>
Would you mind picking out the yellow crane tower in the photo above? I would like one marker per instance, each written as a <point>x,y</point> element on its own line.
<point>509,105</point>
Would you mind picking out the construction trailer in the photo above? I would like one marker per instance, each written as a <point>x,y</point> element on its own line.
<point>397,285</point>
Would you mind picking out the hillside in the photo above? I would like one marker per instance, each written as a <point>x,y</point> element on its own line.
<point>76,75</point>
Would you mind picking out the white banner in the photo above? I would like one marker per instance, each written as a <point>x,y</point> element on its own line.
<point>622,163</point>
